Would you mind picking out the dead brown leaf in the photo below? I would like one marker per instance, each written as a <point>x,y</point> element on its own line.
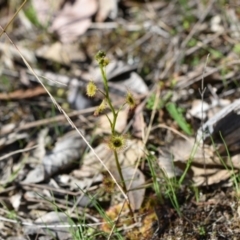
<point>103,125</point>
<point>91,166</point>
<point>107,8</point>
<point>45,9</point>
<point>123,75</point>
<point>68,149</point>
<point>74,19</point>
<point>50,220</point>
<point>208,168</point>
<point>134,179</point>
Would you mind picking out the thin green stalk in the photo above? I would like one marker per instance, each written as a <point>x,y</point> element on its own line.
<point>156,185</point>
<point>231,163</point>
<point>104,81</point>
<point>114,122</point>
<point>120,171</point>
<point>117,141</point>
<point>113,126</point>
<point>173,197</point>
<point>108,99</point>
<point>189,162</point>
<point>122,180</point>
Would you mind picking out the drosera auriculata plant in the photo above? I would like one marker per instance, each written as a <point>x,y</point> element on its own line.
<point>116,141</point>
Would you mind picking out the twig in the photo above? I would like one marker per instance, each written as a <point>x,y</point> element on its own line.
<point>189,82</point>
<point>171,129</point>
<point>202,92</point>
<point>192,33</point>
<point>45,225</point>
<point>17,151</point>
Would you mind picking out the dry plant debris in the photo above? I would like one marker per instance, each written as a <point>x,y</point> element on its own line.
<point>183,54</point>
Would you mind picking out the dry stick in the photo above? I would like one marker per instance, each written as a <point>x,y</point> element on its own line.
<point>40,225</point>
<point>57,190</point>
<point>46,226</point>
<point>192,33</point>
<point>47,121</point>
<point>195,27</point>
<point>55,119</point>
<point>212,71</point>
<point>178,54</point>
<point>67,117</point>
<point>171,129</point>
<point>202,91</point>
<point>203,43</point>
<point>139,42</point>
<point>16,152</point>
<point>159,24</point>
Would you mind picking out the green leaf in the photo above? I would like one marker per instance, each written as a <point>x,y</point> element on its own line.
<point>215,53</point>
<point>178,117</point>
<point>31,15</point>
<point>236,48</point>
<point>151,101</point>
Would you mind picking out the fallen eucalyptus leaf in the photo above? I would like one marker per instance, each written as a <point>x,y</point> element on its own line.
<point>45,225</point>
<point>67,150</point>
<point>134,179</point>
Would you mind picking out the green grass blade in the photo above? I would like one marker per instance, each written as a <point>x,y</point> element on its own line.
<point>178,117</point>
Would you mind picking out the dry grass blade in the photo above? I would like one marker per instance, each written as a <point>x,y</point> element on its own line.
<point>15,14</point>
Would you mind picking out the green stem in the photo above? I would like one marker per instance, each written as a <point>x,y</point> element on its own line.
<point>113,130</point>
<point>123,181</point>
<point>105,81</point>
<point>120,171</point>
<point>114,122</point>
<point>115,114</point>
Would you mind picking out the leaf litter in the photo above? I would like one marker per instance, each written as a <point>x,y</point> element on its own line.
<point>144,49</point>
